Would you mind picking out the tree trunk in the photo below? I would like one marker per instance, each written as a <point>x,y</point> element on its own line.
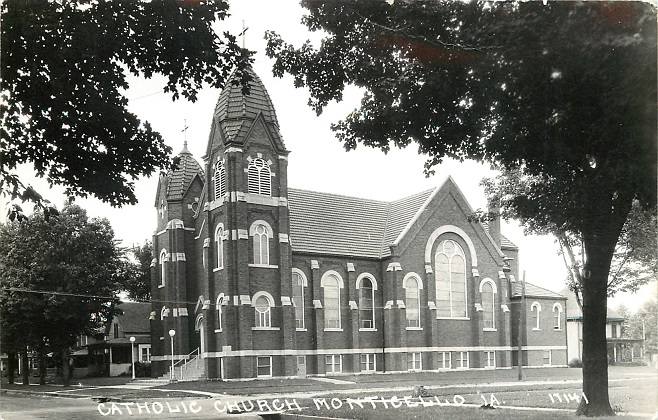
<point>43,367</point>
<point>599,249</point>
<point>26,366</point>
<point>66,368</point>
<point>11,366</point>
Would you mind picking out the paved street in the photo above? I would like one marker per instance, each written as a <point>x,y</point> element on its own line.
<point>22,407</point>
<point>634,388</point>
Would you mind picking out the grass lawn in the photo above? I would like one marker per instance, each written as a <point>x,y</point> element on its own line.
<point>544,402</point>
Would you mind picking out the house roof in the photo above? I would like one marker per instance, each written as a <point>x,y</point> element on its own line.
<point>574,312</point>
<point>532,290</point>
<point>135,317</point>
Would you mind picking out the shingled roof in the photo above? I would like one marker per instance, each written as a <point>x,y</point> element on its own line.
<point>236,112</point>
<point>179,179</point>
<point>532,290</point>
<point>331,224</point>
<point>135,318</point>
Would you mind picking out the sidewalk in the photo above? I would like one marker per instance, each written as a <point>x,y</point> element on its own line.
<point>124,389</point>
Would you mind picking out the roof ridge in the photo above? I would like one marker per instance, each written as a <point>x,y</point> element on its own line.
<point>412,195</point>
<point>340,195</point>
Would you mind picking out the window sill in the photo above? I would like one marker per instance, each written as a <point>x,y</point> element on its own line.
<point>414,328</point>
<point>454,318</point>
<point>536,329</point>
<point>557,329</point>
<point>367,329</point>
<point>263,266</point>
<point>218,330</point>
<point>265,328</point>
<point>217,269</point>
<point>301,329</point>
<point>160,286</point>
<point>333,329</point>
<point>489,329</point>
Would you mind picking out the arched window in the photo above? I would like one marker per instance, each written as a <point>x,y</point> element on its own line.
<point>412,301</point>
<point>260,177</point>
<point>261,233</point>
<point>331,284</point>
<point>535,309</point>
<point>218,308</point>
<point>557,316</point>
<point>163,267</point>
<point>298,284</point>
<point>488,292</point>
<point>219,245</point>
<point>262,302</point>
<point>220,180</point>
<point>366,302</point>
<point>450,272</point>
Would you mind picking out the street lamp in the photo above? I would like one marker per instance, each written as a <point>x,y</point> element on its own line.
<point>172,333</point>
<point>132,354</point>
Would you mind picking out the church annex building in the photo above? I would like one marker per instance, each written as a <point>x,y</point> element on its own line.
<point>266,280</point>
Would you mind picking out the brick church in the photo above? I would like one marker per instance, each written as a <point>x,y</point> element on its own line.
<point>261,280</point>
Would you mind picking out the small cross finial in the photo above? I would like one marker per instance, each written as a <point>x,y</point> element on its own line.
<point>244,29</point>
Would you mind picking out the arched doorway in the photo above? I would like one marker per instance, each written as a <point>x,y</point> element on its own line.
<point>200,329</point>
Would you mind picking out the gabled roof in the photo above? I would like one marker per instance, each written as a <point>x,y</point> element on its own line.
<point>135,317</point>
<point>333,224</point>
<point>535,291</point>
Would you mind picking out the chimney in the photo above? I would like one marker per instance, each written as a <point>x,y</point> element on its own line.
<point>494,223</point>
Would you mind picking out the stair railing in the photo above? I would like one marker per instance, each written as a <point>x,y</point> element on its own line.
<point>184,361</point>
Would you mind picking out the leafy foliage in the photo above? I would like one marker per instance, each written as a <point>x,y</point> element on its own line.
<point>634,259</point>
<point>561,95</point>
<point>59,279</point>
<point>138,278</point>
<point>64,68</point>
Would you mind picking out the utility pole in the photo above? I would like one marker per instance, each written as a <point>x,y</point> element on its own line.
<point>519,359</point>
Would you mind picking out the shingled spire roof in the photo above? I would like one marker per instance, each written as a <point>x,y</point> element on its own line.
<point>179,178</point>
<point>235,112</point>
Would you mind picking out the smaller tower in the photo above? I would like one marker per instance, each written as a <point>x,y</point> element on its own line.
<point>177,200</point>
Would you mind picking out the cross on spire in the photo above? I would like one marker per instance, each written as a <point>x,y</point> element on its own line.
<point>184,130</point>
<point>244,29</point>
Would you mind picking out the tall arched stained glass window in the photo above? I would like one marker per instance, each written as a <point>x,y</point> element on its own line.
<point>412,302</point>
<point>366,304</point>
<point>488,293</point>
<point>450,274</point>
<point>331,302</point>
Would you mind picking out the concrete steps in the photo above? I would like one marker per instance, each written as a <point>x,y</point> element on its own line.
<point>191,371</point>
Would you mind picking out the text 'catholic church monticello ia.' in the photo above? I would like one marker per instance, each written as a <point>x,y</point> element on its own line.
<point>257,279</point>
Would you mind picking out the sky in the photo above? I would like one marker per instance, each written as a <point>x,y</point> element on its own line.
<point>317,160</point>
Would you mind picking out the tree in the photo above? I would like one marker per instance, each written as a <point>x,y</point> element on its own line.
<point>64,67</point>
<point>60,278</point>
<point>633,261</point>
<point>644,324</point>
<point>564,92</point>
<point>138,279</point>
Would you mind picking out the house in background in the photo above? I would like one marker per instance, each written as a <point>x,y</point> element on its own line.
<point>262,280</point>
<point>619,349</point>
<point>109,352</point>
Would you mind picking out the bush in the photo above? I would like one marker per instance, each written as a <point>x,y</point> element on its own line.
<point>575,363</point>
